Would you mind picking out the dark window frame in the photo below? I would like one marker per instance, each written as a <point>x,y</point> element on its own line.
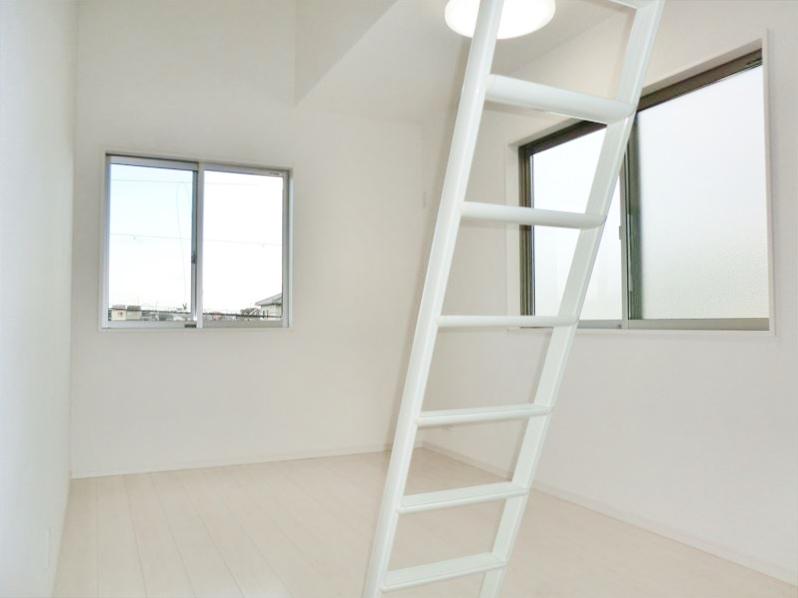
<point>630,211</point>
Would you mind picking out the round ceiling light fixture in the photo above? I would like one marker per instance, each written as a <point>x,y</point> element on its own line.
<point>519,17</point>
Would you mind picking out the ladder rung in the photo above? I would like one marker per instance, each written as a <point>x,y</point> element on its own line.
<point>504,321</point>
<point>517,92</point>
<point>447,417</point>
<point>458,497</point>
<point>441,571</point>
<point>533,216</point>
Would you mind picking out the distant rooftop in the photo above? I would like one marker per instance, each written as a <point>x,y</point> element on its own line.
<point>273,300</point>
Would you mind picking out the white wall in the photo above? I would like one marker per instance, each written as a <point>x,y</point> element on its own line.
<point>689,434</point>
<point>217,82</point>
<point>37,51</point>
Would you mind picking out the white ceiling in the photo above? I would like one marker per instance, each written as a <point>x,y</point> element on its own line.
<point>409,64</point>
<point>326,30</point>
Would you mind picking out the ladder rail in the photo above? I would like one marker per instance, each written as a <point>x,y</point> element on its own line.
<point>458,168</point>
<point>452,210</point>
<point>638,53</point>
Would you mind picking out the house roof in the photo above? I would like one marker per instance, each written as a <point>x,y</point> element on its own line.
<point>273,300</point>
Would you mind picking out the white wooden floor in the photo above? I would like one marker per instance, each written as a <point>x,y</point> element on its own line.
<point>302,529</point>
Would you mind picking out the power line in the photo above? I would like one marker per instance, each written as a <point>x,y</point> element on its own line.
<point>188,239</point>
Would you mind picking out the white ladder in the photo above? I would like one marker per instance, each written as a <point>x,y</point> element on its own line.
<point>480,85</point>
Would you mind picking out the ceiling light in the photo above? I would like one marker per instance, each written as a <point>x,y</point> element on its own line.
<point>519,17</point>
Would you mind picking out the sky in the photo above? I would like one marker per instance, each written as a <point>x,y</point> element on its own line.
<point>150,238</point>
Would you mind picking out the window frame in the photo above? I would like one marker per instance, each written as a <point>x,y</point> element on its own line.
<point>198,167</point>
<point>629,206</point>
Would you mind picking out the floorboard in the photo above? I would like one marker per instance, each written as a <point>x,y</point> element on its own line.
<point>302,529</point>
<point>162,565</point>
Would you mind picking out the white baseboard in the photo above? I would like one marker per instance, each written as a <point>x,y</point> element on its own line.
<point>723,552</point>
<point>200,464</point>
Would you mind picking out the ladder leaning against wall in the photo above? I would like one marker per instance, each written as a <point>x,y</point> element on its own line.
<point>480,86</point>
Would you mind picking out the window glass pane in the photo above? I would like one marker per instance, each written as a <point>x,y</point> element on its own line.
<point>561,180</point>
<point>242,246</point>
<point>149,252</point>
<point>703,215</point>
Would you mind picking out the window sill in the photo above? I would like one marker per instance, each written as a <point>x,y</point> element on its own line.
<point>179,327</point>
<point>661,330</point>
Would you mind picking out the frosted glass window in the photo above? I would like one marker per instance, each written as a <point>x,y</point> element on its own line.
<point>149,252</point>
<point>242,246</point>
<point>702,204</point>
<point>686,241</point>
<point>561,180</point>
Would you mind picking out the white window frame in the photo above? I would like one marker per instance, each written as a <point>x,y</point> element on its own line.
<point>198,167</point>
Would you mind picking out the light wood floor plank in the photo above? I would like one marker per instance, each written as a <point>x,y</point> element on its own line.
<point>162,566</point>
<point>254,575</point>
<point>77,565</point>
<point>302,521</point>
<point>303,529</point>
<point>119,567</point>
<point>207,572</point>
<point>270,529</point>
